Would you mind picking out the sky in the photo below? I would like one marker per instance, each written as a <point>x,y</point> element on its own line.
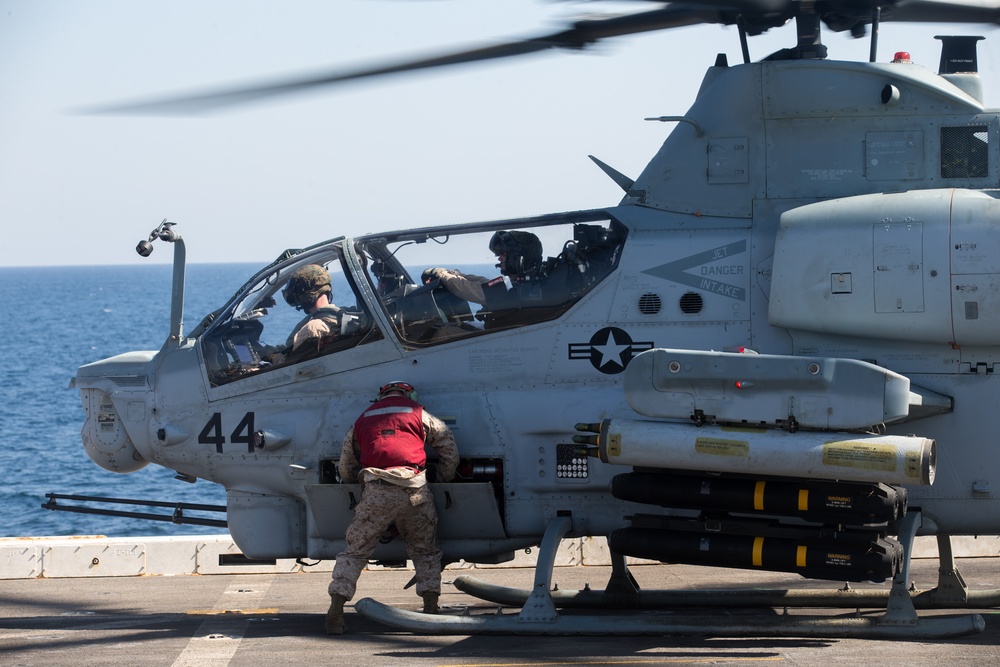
<point>462,144</point>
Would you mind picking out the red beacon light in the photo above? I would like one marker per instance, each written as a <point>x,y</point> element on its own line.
<point>902,57</point>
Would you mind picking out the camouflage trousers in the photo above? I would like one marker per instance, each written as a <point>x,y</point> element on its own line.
<point>383,504</point>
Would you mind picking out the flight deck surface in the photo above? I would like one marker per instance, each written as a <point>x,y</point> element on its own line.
<point>277,619</point>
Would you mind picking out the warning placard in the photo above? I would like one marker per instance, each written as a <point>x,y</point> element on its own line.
<point>864,455</point>
<point>722,447</point>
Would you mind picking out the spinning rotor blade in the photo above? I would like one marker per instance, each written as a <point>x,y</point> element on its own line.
<point>756,16</point>
<point>848,15</point>
<point>943,11</point>
<point>580,35</point>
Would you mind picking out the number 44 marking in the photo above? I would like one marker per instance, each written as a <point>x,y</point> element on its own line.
<point>241,435</point>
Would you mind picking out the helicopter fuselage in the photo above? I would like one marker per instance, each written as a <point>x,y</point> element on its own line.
<point>812,209</point>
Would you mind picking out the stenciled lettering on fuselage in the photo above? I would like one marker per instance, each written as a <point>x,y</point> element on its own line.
<point>609,350</point>
<point>712,274</point>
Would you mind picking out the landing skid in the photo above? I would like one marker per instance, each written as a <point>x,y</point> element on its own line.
<point>714,626</point>
<point>538,614</point>
<point>951,592</point>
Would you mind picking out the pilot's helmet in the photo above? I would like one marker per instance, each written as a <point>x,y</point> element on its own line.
<point>306,285</point>
<point>403,387</point>
<point>522,252</point>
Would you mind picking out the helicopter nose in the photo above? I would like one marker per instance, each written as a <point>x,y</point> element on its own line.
<point>105,439</point>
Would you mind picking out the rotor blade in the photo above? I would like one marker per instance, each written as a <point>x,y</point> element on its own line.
<point>579,36</point>
<point>943,11</point>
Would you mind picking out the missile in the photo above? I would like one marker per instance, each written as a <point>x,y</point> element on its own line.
<point>848,559</point>
<point>849,457</point>
<point>816,501</point>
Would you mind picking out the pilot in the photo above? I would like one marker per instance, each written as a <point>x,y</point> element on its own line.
<point>309,290</point>
<point>385,450</point>
<point>519,256</point>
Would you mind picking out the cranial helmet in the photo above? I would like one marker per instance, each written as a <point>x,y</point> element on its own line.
<point>403,387</point>
<point>522,252</point>
<point>306,285</point>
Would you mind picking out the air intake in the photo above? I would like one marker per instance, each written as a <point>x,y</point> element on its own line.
<point>650,304</point>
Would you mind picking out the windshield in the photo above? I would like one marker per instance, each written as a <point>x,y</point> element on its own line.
<point>442,284</point>
<point>302,309</point>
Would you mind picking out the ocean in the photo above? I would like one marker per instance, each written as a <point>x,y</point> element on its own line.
<point>54,320</point>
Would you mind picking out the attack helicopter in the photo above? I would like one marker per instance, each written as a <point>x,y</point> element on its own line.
<point>775,352</point>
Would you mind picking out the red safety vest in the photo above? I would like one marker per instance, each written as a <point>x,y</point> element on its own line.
<point>391,434</point>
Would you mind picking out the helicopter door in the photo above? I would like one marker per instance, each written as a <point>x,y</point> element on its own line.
<point>465,510</point>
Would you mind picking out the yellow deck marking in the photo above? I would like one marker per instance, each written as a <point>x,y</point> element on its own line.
<point>218,637</point>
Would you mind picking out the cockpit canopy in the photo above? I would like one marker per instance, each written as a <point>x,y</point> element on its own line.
<point>432,293</point>
<point>420,287</point>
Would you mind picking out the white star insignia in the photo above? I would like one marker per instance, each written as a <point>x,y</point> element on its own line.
<point>612,350</point>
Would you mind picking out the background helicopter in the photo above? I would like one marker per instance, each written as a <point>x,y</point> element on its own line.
<point>742,254</point>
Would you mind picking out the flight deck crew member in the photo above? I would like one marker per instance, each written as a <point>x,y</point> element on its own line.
<point>309,290</point>
<point>385,450</point>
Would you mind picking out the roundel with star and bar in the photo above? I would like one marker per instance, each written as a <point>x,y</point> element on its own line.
<point>609,350</point>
